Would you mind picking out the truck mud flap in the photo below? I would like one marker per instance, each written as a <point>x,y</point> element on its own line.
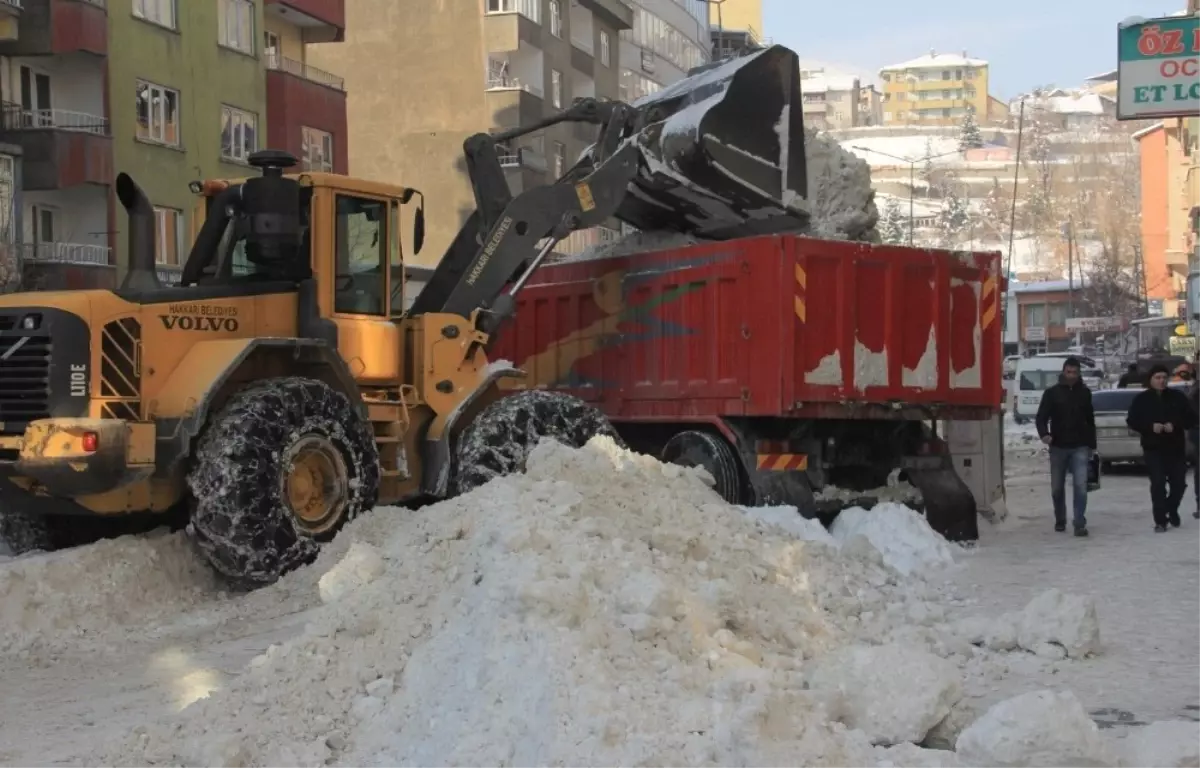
<point>723,151</point>
<point>950,506</point>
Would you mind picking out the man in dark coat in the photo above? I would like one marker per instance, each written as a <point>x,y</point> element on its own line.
<point>1194,433</point>
<point>1067,423</point>
<point>1163,416</point>
<point>1130,378</point>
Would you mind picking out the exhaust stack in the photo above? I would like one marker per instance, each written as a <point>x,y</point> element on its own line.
<point>142,275</point>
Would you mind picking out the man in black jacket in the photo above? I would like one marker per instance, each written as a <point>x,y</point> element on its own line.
<point>1067,423</point>
<point>1163,416</point>
<point>1130,378</point>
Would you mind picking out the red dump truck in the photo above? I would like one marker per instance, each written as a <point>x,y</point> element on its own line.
<point>781,364</point>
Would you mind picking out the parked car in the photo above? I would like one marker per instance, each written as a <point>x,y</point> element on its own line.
<point>1038,373</point>
<point>1115,441</point>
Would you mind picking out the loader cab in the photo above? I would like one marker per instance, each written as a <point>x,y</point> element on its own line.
<point>347,239</point>
<point>335,240</point>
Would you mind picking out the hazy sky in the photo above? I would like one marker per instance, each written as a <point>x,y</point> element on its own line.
<point>1026,42</point>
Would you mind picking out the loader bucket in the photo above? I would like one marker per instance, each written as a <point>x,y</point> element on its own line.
<point>723,151</point>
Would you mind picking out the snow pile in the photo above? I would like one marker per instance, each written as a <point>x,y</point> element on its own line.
<point>1165,744</point>
<point>1054,625</point>
<point>789,519</point>
<point>361,565</point>
<point>634,242</point>
<point>603,608</point>
<point>839,191</point>
<point>1037,728</point>
<point>902,536</point>
<point>92,593</point>
<point>893,693</point>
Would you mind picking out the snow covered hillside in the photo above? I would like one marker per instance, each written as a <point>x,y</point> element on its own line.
<point>602,608</point>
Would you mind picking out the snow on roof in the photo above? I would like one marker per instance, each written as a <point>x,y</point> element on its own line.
<point>883,151</point>
<point>1103,77</point>
<point>1078,103</point>
<point>1147,130</point>
<point>865,77</point>
<point>934,59</point>
<point>1048,286</point>
<point>819,80</point>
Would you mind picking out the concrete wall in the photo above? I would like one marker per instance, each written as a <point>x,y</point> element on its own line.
<point>206,76</point>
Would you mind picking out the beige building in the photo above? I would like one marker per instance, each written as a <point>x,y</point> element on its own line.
<point>937,89</point>
<point>422,77</point>
<point>830,99</point>
<point>737,15</point>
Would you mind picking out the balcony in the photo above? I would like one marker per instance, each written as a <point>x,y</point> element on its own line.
<point>320,21</point>
<point>504,32</point>
<point>52,27</point>
<point>615,13</point>
<point>61,148</point>
<point>300,95</point>
<point>65,253</point>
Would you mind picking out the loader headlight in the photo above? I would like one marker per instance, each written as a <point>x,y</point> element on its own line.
<point>31,322</point>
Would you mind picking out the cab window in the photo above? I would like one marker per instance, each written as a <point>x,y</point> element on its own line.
<point>361,255</point>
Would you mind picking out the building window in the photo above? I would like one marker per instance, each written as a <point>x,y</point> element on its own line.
<point>362,255</point>
<point>157,114</point>
<point>605,49</point>
<point>168,236</point>
<point>556,86</point>
<point>239,134</point>
<point>161,12</point>
<point>1035,315</point>
<point>45,220</point>
<point>530,9</point>
<point>560,159</point>
<point>555,18</point>
<point>235,25</point>
<point>270,45</point>
<point>317,150</point>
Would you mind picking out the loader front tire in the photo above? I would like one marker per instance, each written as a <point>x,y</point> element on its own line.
<point>499,440</point>
<point>21,532</point>
<point>282,467</point>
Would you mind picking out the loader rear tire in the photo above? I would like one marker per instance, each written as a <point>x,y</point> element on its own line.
<point>283,466</point>
<point>714,455</point>
<point>499,440</point>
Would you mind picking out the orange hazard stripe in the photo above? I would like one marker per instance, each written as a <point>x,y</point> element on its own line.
<point>989,302</point>
<point>801,286</point>
<point>781,462</point>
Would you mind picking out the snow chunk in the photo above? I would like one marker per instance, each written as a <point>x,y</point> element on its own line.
<point>1059,619</point>
<point>902,536</point>
<point>1036,728</point>
<point>1164,744</point>
<point>361,565</point>
<point>893,693</point>
<point>790,520</point>
<point>912,756</point>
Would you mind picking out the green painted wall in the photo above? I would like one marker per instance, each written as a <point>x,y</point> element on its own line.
<point>206,75</point>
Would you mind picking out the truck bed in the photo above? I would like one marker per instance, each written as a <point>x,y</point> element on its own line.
<point>766,326</point>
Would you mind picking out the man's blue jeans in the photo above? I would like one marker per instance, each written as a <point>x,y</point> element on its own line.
<point>1075,461</point>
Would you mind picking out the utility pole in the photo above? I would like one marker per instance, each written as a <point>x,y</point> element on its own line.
<point>912,179</point>
<point>1012,216</point>
<point>1071,266</point>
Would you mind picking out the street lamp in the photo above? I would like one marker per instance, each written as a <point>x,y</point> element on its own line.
<point>912,181</point>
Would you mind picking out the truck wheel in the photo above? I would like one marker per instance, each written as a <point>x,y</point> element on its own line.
<point>283,466</point>
<point>500,438</point>
<point>712,453</point>
<point>21,532</point>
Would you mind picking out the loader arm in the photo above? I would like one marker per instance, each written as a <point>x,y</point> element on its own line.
<point>718,155</point>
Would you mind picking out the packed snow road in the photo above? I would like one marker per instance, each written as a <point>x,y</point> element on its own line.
<point>605,609</point>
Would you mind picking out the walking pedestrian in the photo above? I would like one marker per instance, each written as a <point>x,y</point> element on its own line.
<point>1130,378</point>
<point>1162,416</point>
<point>1194,432</point>
<point>1067,423</point>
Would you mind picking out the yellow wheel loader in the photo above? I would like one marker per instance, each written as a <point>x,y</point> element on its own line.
<point>281,388</point>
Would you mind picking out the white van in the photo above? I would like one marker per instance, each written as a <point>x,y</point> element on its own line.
<point>1038,373</point>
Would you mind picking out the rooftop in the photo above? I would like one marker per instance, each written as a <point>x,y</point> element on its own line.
<point>934,59</point>
<point>817,80</point>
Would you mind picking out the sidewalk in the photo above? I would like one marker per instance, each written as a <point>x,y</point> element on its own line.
<point>1146,587</point>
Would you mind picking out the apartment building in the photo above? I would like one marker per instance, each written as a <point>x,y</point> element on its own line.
<point>665,39</point>
<point>1169,155</point>
<point>937,89</point>
<point>829,99</point>
<point>421,78</point>
<point>734,15</point>
<point>166,90</point>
